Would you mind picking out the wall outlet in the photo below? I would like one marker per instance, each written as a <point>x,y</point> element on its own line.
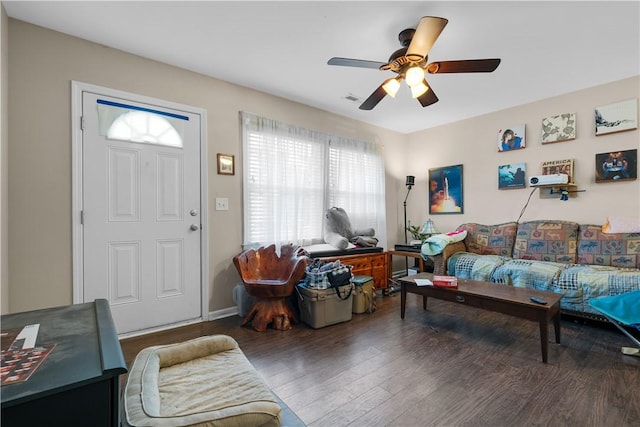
<point>222,204</point>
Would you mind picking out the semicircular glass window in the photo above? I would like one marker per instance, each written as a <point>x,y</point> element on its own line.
<point>142,125</point>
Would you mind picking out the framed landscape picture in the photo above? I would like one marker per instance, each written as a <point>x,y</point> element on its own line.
<point>226,164</point>
<point>617,117</point>
<point>617,166</point>
<point>512,175</point>
<point>511,138</point>
<point>558,128</point>
<point>445,190</point>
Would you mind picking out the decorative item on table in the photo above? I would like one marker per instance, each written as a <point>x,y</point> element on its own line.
<point>325,275</point>
<point>445,281</point>
<point>420,234</point>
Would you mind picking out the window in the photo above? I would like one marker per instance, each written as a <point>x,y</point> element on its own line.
<point>137,124</point>
<point>291,175</point>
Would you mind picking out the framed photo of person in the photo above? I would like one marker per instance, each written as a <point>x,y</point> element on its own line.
<point>511,138</point>
<point>445,190</point>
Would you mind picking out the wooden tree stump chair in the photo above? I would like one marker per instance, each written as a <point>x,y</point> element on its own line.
<point>271,279</point>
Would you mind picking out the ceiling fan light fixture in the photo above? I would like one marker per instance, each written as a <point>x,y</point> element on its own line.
<point>391,86</point>
<point>419,90</point>
<point>414,76</point>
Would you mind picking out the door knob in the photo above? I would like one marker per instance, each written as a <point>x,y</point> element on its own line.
<point>193,212</point>
<point>194,227</point>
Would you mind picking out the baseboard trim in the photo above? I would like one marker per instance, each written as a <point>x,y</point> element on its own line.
<point>213,315</point>
<point>159,328</point>
<point>225,312</point>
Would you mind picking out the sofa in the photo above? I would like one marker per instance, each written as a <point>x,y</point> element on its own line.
<point>578,260</point>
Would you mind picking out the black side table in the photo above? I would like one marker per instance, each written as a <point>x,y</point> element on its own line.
<point>78,383</point>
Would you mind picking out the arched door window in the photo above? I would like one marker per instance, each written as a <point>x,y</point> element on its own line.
<point>142,125</point>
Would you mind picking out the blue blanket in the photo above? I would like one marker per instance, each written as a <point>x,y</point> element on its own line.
<point>434,245</point>
<point>625,308</point>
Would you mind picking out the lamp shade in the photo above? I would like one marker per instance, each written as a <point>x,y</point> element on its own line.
<point>419,89</point>
<point>410,180</point>
<point>391,86</point>
<point>414,76</point>
<point>429,228</point>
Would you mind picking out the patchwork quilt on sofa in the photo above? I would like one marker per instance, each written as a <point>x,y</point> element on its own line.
<point>579,261</point>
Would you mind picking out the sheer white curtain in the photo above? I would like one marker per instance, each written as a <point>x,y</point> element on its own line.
<point>291,175</point>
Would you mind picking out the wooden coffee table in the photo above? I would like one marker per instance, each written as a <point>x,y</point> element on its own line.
<point>490,296</point>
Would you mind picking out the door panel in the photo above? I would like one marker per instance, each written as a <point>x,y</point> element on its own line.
<point>139,249</point>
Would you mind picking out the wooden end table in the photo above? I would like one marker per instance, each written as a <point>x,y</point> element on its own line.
<point>503,299</point>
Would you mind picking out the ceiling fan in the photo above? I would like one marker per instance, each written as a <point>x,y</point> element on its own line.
<point>410,64</point>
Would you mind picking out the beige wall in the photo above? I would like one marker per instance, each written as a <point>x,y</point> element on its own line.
<point>473,143</point>
<point>42,63</point>
<point>4,186</point>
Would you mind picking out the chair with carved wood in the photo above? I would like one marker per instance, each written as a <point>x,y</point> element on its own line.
<point>271,278</point>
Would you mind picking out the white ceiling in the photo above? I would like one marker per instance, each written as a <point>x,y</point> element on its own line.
<point>281,48</point>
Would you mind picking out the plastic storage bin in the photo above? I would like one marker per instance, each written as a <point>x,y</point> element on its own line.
<point>364,295</point>
<point>243,300</point>
<point>324,307</point>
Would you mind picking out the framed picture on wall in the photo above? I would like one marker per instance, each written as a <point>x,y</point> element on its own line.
<point>558,128</point>
<point>445,190</point>
<point>617,117</point>
<point>617,166</point>
<point>551,167</point>
<point>226,164</point>
<point>511,138</point>
<point>512,175</point>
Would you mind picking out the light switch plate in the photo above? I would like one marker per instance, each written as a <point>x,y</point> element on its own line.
<point>222,204</point>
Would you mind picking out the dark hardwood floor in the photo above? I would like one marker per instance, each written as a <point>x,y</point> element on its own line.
<point>451,365</point>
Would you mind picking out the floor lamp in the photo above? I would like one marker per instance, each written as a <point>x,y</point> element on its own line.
<point>409,184</point>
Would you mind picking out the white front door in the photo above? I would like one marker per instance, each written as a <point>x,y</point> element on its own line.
<point>141,211</point>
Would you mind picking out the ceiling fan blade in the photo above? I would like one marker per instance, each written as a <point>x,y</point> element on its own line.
<point>373,99</point>
<point>425,36</point>
<point>464,66</point>
<point>361,63</point>
<point>428,98</point>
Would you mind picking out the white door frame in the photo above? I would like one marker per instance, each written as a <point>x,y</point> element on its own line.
<point>76,188</point>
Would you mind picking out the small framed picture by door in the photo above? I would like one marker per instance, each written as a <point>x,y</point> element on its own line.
<point>226,164</point>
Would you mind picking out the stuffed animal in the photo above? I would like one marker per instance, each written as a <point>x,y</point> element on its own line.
<point>339,233</point>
